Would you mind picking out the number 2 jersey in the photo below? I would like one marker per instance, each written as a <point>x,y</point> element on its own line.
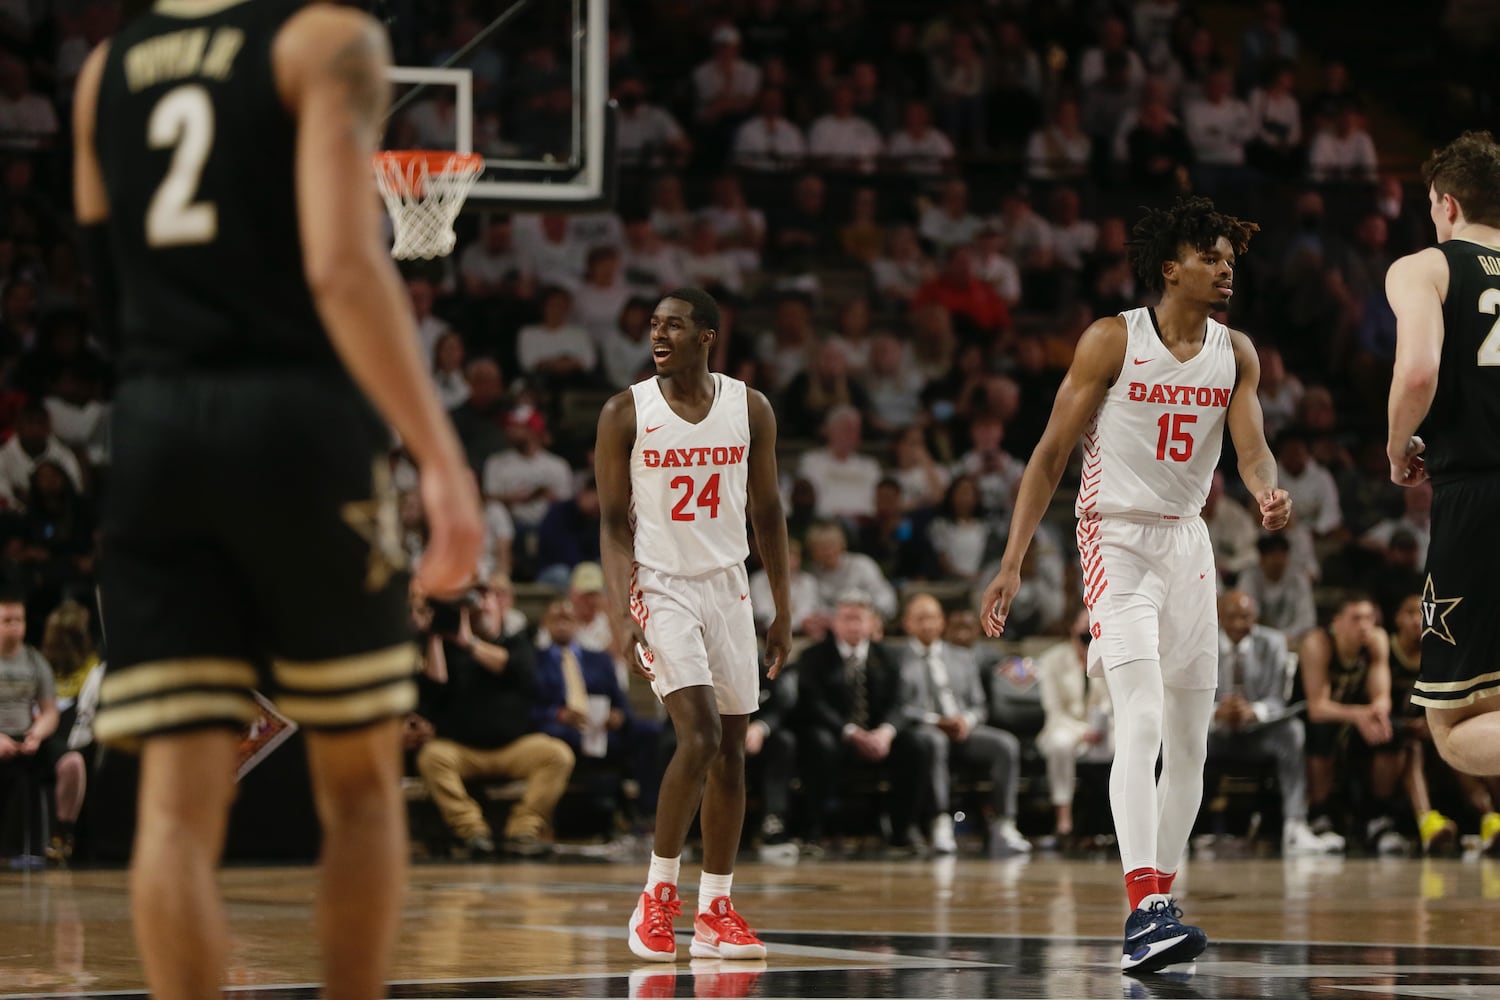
<point>689,482</point>
<point>1462,430</point>
<point>198,154</point>
<point>1152,446</point>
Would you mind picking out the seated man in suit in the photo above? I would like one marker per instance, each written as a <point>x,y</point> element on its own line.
<point>944,703</point>
<point>771,752</point>
<point>847,698</point>
<point>1251,720</point>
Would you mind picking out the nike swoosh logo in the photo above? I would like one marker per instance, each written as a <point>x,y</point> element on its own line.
<point>1137,361</point>
<point>1141,955</point>
<point>743,596</point>
<point>1202,575</point>
<point>652,430</point>
<point>1141,933</point>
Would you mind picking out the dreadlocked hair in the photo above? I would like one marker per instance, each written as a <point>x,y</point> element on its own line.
<point>1161,232</point>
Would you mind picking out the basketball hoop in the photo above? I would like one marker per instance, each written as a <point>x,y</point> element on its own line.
<point>423,191</point>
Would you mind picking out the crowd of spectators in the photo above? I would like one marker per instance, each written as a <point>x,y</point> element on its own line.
<point>909,214</point>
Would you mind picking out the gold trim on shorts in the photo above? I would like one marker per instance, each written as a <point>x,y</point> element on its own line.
<point>1437,687</point>
<point>350,710</point>
<point>125,725</point>
<point>162,677</point>
<point>1442,703</point>
<point>347,672</point>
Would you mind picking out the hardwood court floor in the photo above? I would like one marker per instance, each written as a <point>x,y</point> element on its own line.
<point>1045,927</point>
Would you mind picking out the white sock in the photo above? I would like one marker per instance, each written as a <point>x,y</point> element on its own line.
<point>663,870</point>
<point>1152,900</point>
<point>1136,690</point>
<point>711,887</point>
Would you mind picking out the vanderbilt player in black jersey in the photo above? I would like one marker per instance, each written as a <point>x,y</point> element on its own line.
<point>1446,385</point>
<point>223,181</point>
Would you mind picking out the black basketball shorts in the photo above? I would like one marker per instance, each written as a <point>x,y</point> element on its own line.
<point>250,542</point>
<point>1461,596</point>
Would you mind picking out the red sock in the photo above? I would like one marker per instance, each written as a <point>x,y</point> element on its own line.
<point>1139,884</point>
<point>1164,881</point>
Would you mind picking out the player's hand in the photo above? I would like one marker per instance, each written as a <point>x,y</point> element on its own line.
<point>778,645</point>
<point>8,747</point>
<point>31,744</point>
<point>450,499</point>
<point>1408,467</point>
<point>995,605</point>
<point>1275,509</point>
<point>635,649</point>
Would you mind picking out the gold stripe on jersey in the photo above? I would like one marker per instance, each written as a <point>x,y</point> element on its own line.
<point>347,672</point>
<point>165,676</point>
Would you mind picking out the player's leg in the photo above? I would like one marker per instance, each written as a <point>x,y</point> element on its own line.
<point>72,784</point>
<point>1438,833</point>
<point>1468,737</point>
<point>696,721</point>
<point>356,778</point>
<point>187,785</point>
<point>730,643</point>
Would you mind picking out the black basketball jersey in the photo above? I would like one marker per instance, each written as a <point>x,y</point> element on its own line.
<point>1462,431</point>
<point>1347,678</point>
<point>197,152</point>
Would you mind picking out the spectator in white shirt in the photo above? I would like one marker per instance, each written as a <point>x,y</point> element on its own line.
<point>995,471</point>
<point>652,265</point>
<point>1112,38</point>
<point>1280,392</point>
<point>844,479</point>
<point>76,409</point>
<point>596,229</point>
<point>526,477</point>
<point>645,133</point>
<point>1061,149</point>
<point>838,571</point>
<point>1276,117</point>
<point>994,267</point>
<point>1232,531</point>
<point>556,348</point>
<point>918,148</point>
<point>725,84</point>
<point>949,223</point>
<point>670,215</point>
<point>782,351</point>
<point>1343,151</point>
<point>1074,238</point>
<point>769,141</point>
<point>1218,125</point>
<point>1314,493</point>
<point>34,442</point>
<point>804,595</point>
<point>741,229</point>
<point>448,370</point>
<point>492,267</point>
<point>604,292</point>
<point>550,253</point>
<point>707,266</point>
<point>429,327</point>
<point>903,269</point>
<point>625,351</point>
<point>841,139</point>
<point>893,385</point>
<point>1284,596</point>
<point>27,119</point>
<point>1028,237</point>
<point>923,481</point>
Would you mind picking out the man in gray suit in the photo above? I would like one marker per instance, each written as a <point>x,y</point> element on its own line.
<point>944,707</point>
<point>1251,721</point>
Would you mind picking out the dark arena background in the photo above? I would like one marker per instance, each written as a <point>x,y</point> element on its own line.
<point>908,212</point>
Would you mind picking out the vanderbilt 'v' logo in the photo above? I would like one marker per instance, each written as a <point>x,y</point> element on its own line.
<point>1435,612</point>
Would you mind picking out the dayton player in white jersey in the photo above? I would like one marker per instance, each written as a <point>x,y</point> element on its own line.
<point>1149,391</point>
<point>678,460</point>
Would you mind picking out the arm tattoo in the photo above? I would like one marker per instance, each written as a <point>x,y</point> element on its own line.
<point>359,66</point>
<point>1265,471</point>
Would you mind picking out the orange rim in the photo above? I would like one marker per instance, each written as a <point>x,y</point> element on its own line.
<point>404,171</point>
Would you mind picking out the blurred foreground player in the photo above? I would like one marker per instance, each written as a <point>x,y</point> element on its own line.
<point>223,181</point>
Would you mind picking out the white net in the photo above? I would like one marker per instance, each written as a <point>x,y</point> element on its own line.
<point>423,192</point>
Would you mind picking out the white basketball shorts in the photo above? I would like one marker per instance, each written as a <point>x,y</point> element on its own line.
<point>701,631</point>
<point>1152,594</point>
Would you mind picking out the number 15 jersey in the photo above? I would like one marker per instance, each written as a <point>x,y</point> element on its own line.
<point>689,482</point>
<point>1152,446</point>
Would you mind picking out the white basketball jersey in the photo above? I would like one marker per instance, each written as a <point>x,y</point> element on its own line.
<point>688,482</point>
<point>1154,443</point>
